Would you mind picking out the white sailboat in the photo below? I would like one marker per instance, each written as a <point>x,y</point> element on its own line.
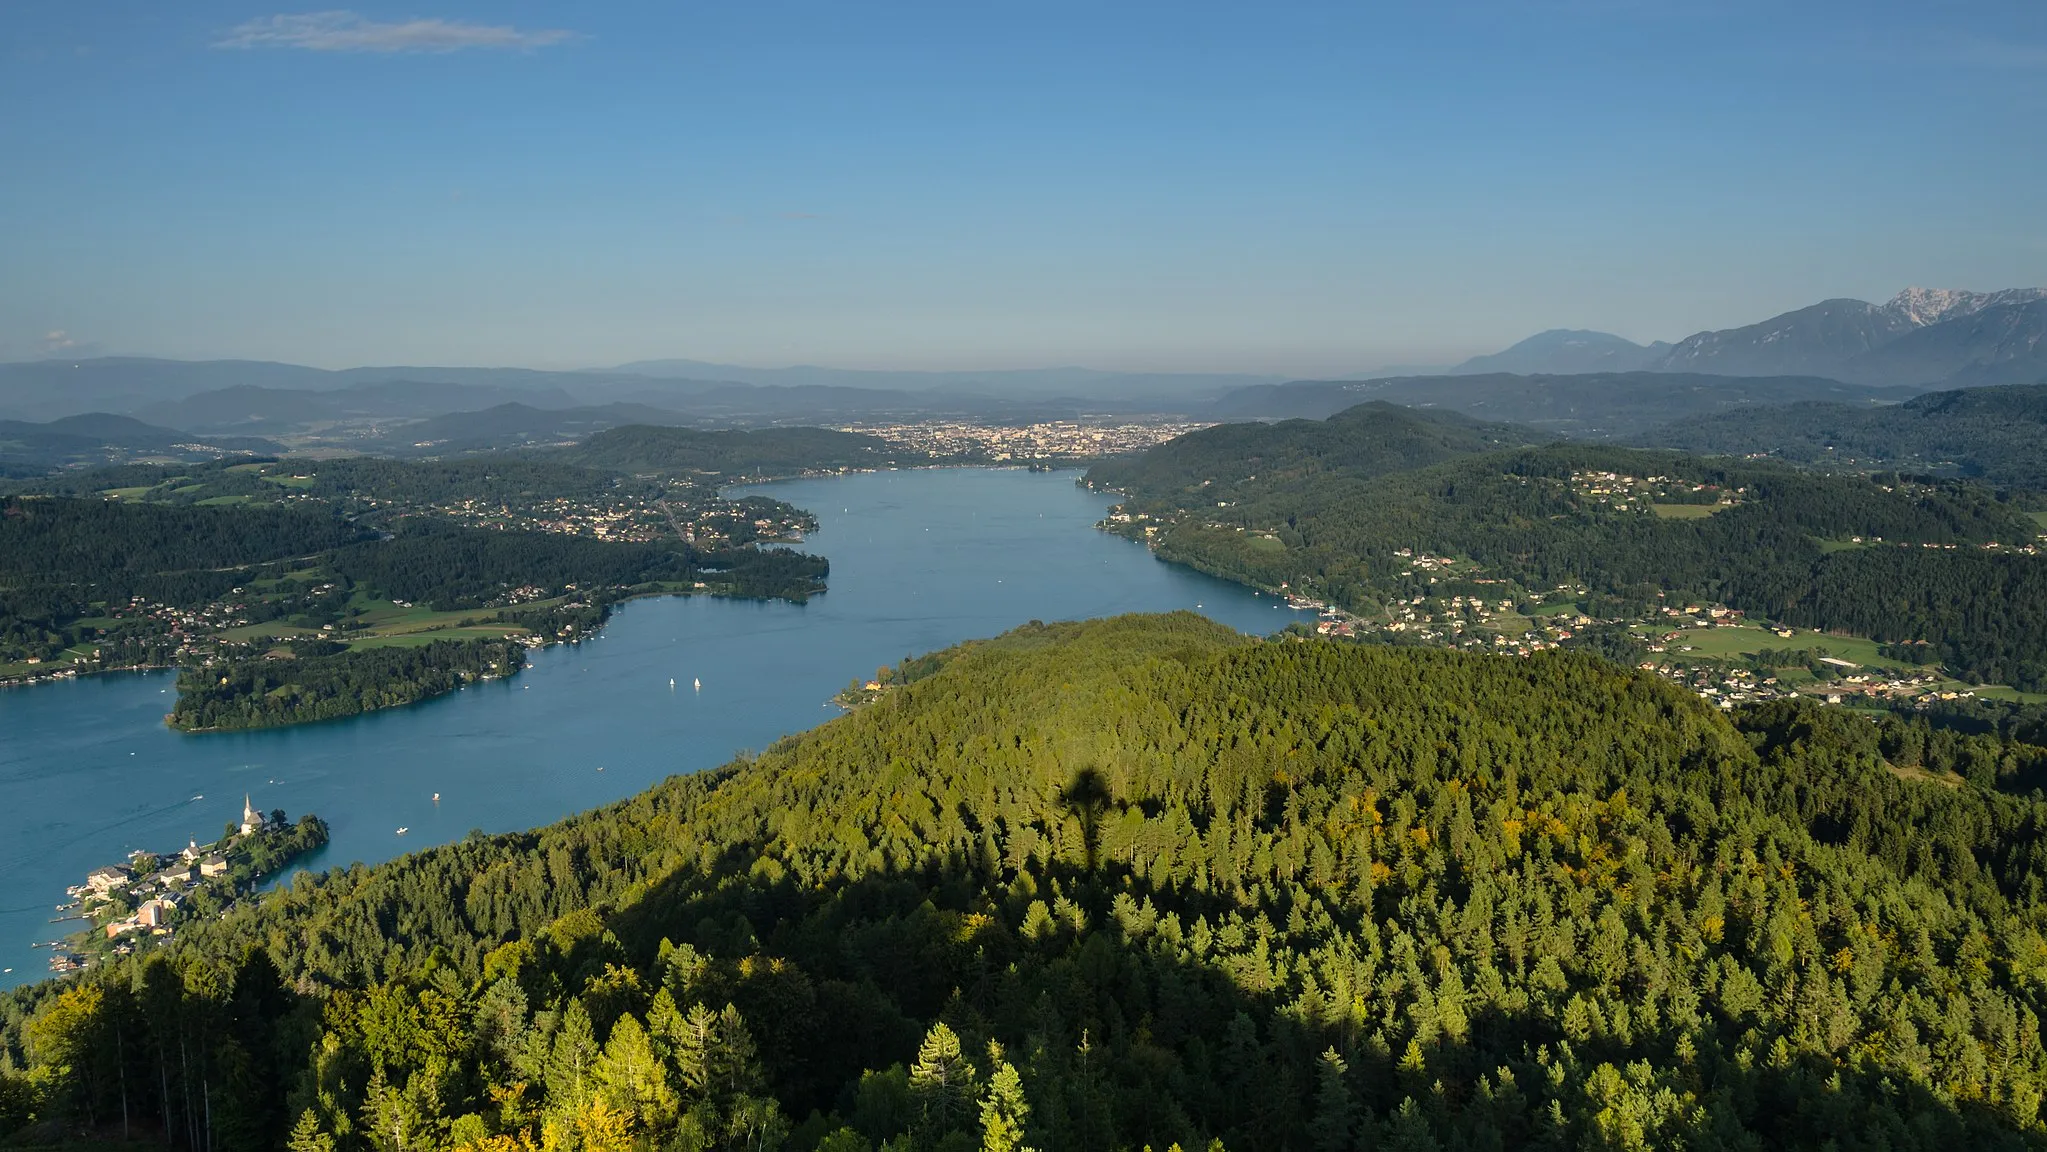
<point>698,684</point>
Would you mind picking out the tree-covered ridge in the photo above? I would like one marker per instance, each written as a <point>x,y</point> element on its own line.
<point>1898,560</point>
<point>1144,881</point>
<point>56,539</point>
<point>1998,434</point>
<point>458,568</point>
<point>733,454</point>
<point>1372,439</point>
<point>331,685</point>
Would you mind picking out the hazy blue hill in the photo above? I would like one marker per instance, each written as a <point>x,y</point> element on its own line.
<point>47,389</point>
<point>518,425</point>
<point>1371,439</point>
<point>98,438</point>
<point>1997,433</point>
<point>767,451</point>
<point>1013,383</point>
<point>1592,405</point>
<point>276,410</point>
<point>1566,350</point>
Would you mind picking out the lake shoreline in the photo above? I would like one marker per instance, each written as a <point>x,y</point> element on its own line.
<point>921,559</point>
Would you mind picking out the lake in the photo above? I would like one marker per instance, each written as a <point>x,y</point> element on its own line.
<point>920,560</point>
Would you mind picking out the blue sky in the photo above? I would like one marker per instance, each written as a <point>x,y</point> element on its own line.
<point>1289,187</point>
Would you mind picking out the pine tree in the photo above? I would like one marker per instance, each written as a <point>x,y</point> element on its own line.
<point>942,1082</point>
<point>631,1078</point>
<point>693,1052</point>
<point>1331,1127</point>
<point>306,1135</point>
<point>1004,1110</point>
<point>570,1060</point>
<point>735,1062</point>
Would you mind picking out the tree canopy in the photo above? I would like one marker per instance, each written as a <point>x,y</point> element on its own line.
<point>1145,881</point>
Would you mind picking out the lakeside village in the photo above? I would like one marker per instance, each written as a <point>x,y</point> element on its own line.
<point>130,906</point>
<point>1714,650</point>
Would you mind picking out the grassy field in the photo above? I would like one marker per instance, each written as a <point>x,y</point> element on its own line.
<point>1748,639</point>
<point>422,639</point>
<point>2041,519</point>
<point>2001,692</point>
<point>1687,511</point>
<point>1509,623</point>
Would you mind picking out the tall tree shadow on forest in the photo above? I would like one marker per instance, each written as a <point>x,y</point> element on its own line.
<point>1127,1043</point>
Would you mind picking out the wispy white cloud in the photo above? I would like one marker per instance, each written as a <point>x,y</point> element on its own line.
<point>343,31</point>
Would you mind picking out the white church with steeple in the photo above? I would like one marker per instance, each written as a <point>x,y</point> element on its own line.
<point>252,820</point>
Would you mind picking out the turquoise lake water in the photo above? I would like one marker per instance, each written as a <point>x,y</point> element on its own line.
<point>920,560</point>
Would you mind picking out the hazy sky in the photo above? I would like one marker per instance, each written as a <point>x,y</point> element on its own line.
<point>1272,186</point>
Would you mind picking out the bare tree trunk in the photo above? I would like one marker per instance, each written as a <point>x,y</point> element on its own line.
<point>185,1088</point>
<point>163,1080</point>
<point>121,1063</point>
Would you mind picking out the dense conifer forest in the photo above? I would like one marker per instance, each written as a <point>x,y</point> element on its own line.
<point>1140,882</point>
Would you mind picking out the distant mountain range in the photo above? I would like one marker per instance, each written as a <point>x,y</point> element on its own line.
<point>1010,383</point>
<point>1595,405</point>
<point>1572,382</point>
<point>1921,337</point>
<point>251,396</point>
<point>1563,351</point>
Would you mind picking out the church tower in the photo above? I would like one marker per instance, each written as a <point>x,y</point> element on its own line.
<point>252,820</point>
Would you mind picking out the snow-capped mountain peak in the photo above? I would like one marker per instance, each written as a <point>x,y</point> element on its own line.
<point>1923,306</point>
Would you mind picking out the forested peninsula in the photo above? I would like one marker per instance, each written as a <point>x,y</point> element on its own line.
<point>1146,881</point>
<point>309,590</point>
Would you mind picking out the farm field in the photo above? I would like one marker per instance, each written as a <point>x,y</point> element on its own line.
<point>1687,511</point>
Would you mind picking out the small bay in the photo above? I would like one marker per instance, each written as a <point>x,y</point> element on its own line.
<point>920,560</point>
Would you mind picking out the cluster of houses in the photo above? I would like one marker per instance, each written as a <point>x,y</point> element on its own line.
<point>1623,491</point>
<point>1046,440</point>
<point>166,886</point>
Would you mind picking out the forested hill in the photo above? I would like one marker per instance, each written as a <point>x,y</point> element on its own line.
<point>1369,440</point>
<point>1998,434</point>
<point>1144,881</point>
<point>1899,561</point>
<point>764,452</point>
<point>60,539</point>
